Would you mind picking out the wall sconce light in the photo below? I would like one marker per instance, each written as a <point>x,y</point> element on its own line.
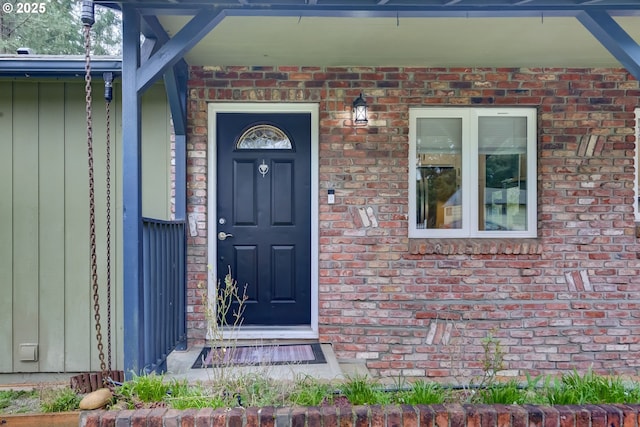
<point>360,111</point>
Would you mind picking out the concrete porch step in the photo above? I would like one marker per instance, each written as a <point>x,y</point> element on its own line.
<point>179,366</point>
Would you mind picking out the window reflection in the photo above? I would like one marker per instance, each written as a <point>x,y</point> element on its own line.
<point>438,173</point>
<point>502,173</point>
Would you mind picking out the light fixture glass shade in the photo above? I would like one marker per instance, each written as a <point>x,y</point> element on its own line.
<point>360,111</point>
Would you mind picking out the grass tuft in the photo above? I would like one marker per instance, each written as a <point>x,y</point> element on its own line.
<point>422,393</point>
<point>361,390</point>
<point>59,400</point>
<point>309,391</point>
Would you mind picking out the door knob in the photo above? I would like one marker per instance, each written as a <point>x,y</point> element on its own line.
<point>223,236</point>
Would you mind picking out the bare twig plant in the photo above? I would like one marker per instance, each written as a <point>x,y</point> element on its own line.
<point>492,361</point>
<point>231,378</point>
<point>224,317</point>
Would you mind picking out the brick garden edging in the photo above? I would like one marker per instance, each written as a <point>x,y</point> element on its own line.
<point>373,416</point>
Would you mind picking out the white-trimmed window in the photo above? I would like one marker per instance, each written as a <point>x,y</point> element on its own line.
<point>472,172</point>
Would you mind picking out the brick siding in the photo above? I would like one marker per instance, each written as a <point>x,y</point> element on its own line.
<point>569,298</point>
<point>379,416</point>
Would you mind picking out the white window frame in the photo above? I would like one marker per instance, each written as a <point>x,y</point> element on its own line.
<point>636,208</point>
<point>469,189</point>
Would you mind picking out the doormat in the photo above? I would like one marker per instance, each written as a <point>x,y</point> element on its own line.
<point>260,355</point>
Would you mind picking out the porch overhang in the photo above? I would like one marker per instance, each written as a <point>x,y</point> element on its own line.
<point>504,33</point>
<point>469,33</point>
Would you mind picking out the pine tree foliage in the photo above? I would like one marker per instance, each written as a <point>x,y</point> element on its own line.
<point>54,27</point>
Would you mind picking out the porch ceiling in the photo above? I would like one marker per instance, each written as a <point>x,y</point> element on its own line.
<point>412,41</point>
<point>476,33</point>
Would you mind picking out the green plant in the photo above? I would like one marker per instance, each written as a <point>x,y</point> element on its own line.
<point>576,389</point>
<point>59,400</point>
<point>422,393</point>
<point>509,393</point>
<point>557,394</point>
<point>196,397</point>
<point>197,401</point>
<point>309,391</point>
<point>256,389</point>
<point>534,394</point>
<point>143,388</point>
<point>633,393</point>
<point>492,360</point>
<point>573,388</point>
<point>361,390</point>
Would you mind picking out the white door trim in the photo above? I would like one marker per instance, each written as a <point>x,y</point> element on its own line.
<point>271,332</point>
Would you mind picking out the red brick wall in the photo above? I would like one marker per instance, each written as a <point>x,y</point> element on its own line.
<point>379,416</point>
<point>421,307</point>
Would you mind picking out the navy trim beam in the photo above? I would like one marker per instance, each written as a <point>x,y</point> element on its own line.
<point>135,82</point>
<point>173,51</point>
<point>133,308</point>
<point>175,80</point>
<point>614,39</point>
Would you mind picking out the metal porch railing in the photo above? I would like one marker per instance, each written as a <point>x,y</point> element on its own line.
<point>164,291</point>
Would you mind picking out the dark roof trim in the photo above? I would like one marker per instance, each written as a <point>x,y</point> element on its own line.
<point>426,8</point>
<point>385,4</point>
<point>55,66</point>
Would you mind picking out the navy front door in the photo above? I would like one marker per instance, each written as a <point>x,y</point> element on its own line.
<point>263,216</point>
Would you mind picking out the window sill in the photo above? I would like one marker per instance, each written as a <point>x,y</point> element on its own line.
<point>471,246</point>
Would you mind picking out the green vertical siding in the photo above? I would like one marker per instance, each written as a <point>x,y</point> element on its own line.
<point>25,217</point>
<point>6,227</point>
<point>51,217</point>
<point>45,285</point>
<point>157,191</point>
<point>77,323</point>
